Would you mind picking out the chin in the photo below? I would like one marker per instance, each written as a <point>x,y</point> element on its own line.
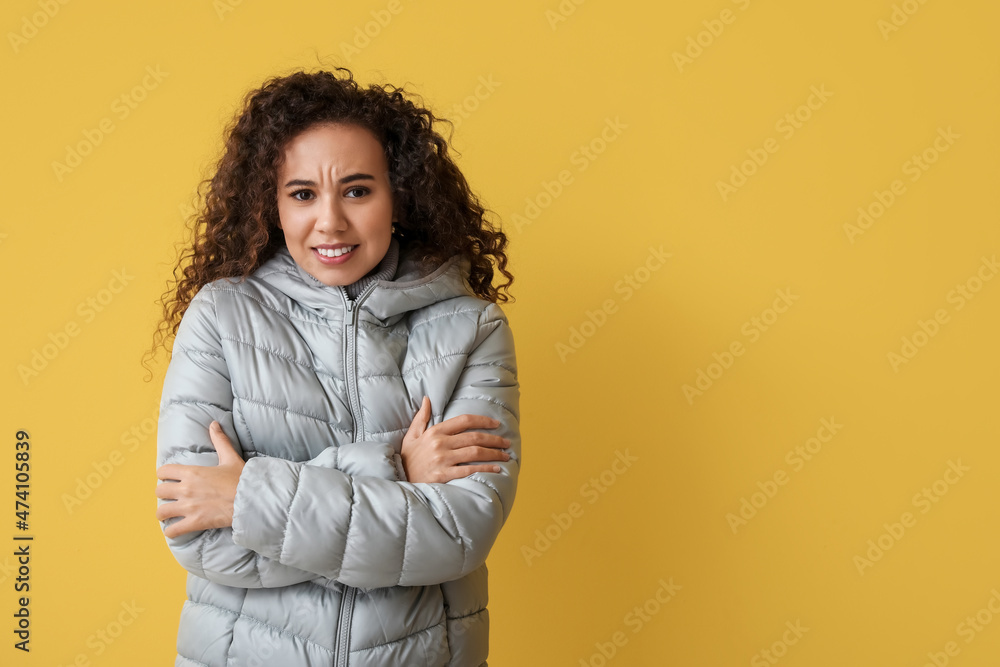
<point>331,278</point>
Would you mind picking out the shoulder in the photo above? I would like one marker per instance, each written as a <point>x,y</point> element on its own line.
<point>478,327</point>
<point>256,285</point>
<point>243,295</point>
<point>462,308</point>
<point>222,308</point>
<point>223,289</point>
<point>454,297</point>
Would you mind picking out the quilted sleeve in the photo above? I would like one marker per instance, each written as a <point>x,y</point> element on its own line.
<point>197,390</point>
<point>372,533</point>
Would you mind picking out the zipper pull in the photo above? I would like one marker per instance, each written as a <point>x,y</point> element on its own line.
<point>348,305</point>
<point>350,313</point>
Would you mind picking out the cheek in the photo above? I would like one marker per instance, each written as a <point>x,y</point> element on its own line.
<point>289,220</point>
<point>385,212</point>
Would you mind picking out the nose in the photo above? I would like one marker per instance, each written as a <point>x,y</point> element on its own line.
<point>331,216</point>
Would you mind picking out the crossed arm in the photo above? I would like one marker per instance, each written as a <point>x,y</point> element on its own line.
<point>359,514</point>
<point>204,495</point>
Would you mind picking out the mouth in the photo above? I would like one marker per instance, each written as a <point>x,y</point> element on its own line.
<point>334,254</point>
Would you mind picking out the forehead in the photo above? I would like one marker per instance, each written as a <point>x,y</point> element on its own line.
<point>341,146</point>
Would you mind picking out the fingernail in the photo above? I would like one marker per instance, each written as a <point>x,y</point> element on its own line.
<point>496,468</point>
<point>507,440</point>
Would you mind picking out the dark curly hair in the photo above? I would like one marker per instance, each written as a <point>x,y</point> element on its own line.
<point>235,226</point>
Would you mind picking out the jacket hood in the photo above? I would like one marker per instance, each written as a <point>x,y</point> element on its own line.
<point>412,288</point>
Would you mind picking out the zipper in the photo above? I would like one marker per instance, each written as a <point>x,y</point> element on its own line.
<point>350,356</point>
<point>343,638</point>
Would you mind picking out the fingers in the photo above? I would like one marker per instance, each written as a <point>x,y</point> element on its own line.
<point>419,423</point>
<point>168,510</point>
<point>481,439</point>
<point>191,518</point>
<point>223,445</point>
<point>474,439</point>
<point>450,426</point>
<point>473,453</point>
<point>171,471</point>
<point>465,422</point>
<point>168,490</point>
<point>178,528</point>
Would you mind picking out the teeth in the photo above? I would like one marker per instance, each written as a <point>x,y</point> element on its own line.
<point>326,252</point>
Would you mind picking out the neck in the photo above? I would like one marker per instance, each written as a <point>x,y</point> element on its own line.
<point>384,270</point>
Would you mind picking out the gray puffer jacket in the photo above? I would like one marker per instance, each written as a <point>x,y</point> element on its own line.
<point>333,558</point>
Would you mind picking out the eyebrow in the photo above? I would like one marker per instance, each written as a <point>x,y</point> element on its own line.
<point>346,179</point>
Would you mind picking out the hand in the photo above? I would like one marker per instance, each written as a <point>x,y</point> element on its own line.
<point>203,495</point>
<point>434,454</point>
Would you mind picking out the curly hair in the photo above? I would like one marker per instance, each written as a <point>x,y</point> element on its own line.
<point>235,226</point>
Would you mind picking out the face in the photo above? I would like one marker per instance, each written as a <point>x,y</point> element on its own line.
<point>334,196</point>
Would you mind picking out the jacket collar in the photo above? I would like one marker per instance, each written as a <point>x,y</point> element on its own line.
<point>412,288</point>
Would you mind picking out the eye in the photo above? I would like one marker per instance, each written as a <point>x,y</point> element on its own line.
<point>295,195</point>
<point>361,192</point>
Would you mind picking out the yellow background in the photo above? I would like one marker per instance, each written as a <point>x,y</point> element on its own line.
<point>651,183</point>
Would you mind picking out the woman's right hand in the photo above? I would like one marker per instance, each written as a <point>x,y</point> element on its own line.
<point>434,454</point>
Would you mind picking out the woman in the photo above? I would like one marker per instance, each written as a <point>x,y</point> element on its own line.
<point>339,428</point>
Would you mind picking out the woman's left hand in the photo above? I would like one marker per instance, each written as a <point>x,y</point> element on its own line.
<point>203,495</point>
